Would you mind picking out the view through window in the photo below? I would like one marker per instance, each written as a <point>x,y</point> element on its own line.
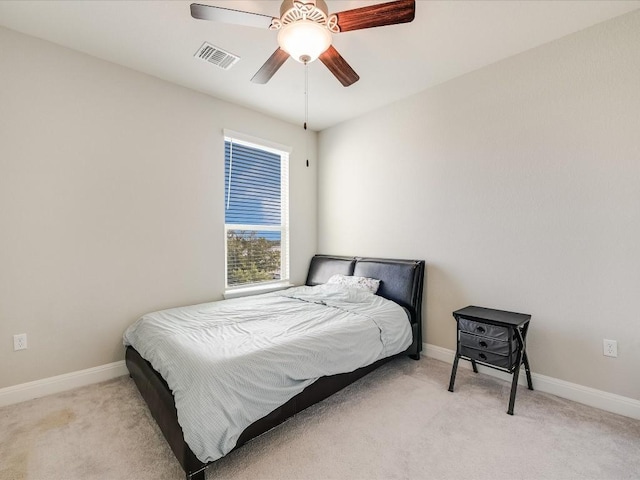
<point>256,213</point>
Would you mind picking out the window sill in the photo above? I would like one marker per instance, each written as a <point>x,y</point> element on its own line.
<point>255,290</point>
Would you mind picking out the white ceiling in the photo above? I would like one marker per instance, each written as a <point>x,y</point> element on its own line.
<point>447,39</point>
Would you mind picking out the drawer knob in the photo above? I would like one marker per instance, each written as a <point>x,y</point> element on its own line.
<point>483,356</point>
<point>483,344</point>
<point>480,329</point>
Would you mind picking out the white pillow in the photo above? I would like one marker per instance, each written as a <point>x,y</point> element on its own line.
<point>363,283</point>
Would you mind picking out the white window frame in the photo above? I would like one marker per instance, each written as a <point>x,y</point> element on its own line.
<point>261,287</point>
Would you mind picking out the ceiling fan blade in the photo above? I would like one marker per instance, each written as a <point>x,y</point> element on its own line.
<point>339,67</point>
<point>227,15</point>
<point>271,66</point>
<point>391,13</point>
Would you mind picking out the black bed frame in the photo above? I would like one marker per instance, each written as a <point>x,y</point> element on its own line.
<point>401,281</point>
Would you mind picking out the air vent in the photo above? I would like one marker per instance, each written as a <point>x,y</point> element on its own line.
<point>217,56</point>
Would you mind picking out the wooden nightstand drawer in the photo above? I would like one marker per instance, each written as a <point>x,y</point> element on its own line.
<point>488,357</point>
<point>489,344</point>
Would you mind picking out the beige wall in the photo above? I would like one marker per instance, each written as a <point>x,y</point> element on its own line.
<point>111,202</point>
<point>519,184</point>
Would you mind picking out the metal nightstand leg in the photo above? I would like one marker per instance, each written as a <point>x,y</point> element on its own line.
<point>453,372</point>
<point>522,343</point>
<point>528,371</point>
<point>514,388</point>
<point>475,366</point>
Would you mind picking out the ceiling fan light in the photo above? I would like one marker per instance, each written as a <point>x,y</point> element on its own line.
<point>304,40</point>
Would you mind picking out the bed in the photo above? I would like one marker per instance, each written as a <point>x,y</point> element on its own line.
<point>401,281</point>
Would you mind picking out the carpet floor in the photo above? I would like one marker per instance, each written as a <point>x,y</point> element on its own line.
<point>399,422</point>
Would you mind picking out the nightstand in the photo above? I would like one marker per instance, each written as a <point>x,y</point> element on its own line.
<point>493,338</point>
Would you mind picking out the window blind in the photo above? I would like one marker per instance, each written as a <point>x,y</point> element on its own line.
<point>252,186</point>
<point>256,213</point>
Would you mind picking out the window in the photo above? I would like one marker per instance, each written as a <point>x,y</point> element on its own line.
<point>256,212</point>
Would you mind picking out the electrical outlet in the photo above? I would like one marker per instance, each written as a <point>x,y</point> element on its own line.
<point>20,341</point>
<point>609,348</point>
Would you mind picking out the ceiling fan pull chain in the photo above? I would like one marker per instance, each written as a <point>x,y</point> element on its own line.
<point>306,108</point>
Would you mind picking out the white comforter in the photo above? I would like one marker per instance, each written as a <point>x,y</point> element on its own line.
<point>230,363</point>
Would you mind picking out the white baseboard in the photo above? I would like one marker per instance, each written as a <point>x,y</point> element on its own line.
<point>610,402</point>
<point>61,383</point>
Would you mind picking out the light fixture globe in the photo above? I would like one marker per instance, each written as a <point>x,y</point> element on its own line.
<point>304,40</point>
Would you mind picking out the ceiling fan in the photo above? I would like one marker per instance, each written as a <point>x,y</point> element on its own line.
<point>305,30</point>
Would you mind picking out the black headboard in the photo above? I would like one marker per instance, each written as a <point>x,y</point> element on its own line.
<point>401,281</point>
<point>322,267</point>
